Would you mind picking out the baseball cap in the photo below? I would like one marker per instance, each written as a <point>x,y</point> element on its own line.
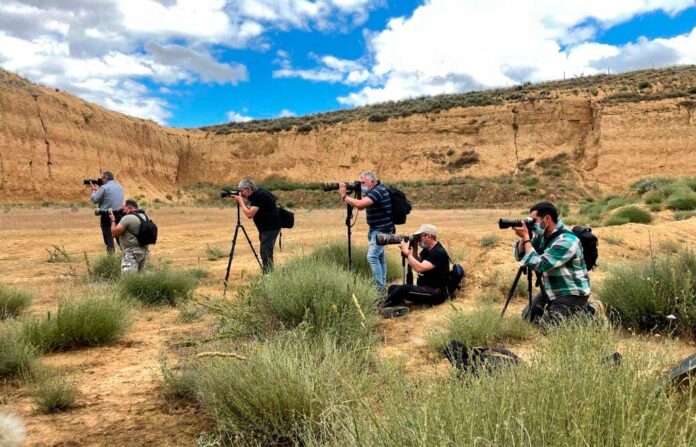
<point>426,229</point>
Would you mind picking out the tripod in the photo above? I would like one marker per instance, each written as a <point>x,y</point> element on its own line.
<point>234,244</point>
<point>349,226</point>
<point>528,272</point>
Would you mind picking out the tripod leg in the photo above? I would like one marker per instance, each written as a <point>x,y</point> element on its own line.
<point>229,261</point>
<point>349,215</point>
<point>253,250</point>
<point>403,267</point>
<point>512,290</point>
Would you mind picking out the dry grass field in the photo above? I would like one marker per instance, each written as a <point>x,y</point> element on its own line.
<point>119,402</point>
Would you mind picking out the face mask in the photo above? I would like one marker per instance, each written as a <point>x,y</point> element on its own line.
<point>538,230</point>
<point>364,190</point>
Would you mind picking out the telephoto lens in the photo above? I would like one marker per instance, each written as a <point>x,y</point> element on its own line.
<point>392,239</point>
<point>333,186</point>
<point>512,223</point>
<point>91,181</point>
<point>229,193</point>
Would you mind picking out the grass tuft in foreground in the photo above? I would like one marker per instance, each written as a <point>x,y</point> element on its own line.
<point>53,392</point>
<point>17,357</point>
<point>104,268</point>
<point>158,286</point>
<point>336,253</point>
<point>13,301</point>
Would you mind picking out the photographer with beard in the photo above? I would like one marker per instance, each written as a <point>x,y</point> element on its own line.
<point>377,203</point>
<point>264,210</point>
<point>108,195</point>
<point>432,266</point>
<point>134,257</point>
<point>556,254</point>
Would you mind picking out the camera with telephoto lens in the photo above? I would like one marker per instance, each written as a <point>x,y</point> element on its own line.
<point>513,223</point>
<point>351,187</point>
<point>229,193</point>
<point>92,181</point>
<point>118,214</point>
<point>392,239</point>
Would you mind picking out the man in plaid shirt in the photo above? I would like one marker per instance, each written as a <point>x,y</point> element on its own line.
<point>555,253</point>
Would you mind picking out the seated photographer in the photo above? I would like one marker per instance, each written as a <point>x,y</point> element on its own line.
<point>377,205</point>
<point>432,266</point>
<point>108,196</point>
<point>556,254</point>
<point>134,255</point>
<point>264,211</point>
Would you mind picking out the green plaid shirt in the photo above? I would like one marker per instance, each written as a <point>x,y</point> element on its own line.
<point>562,264</point>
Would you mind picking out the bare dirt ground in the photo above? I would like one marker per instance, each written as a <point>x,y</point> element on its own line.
<point>119,402</point>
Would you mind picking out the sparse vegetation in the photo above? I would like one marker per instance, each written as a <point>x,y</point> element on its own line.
<point>628,214</point>
<point>214,253</point>
<point>105,268</point>
<point>17,357</point>
<point>489,241</point>
<point>159,286</point>
<point>53,392</point>
<point>336,253</point>
<point>57,254</point>
<point>682,201</point>
<point>13,301</point>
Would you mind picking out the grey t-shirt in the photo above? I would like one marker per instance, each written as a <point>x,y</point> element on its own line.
<point>128,239</point>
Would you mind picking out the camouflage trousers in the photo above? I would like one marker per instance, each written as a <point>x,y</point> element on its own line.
<point>133,259</point>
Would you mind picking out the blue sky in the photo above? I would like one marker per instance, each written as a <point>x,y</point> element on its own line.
<point>190,63</point>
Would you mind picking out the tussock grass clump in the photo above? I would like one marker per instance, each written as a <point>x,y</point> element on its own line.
<point>53,393</point>
<point>105,268</point>
<point>682,201</point>
<point>290,388</point>
<point>481,327</point>
<point>684,215</point>
<point>629,214</point>
<point>592,402</point>
<point>214,253</point>
<point>158,286</point>
<point>17,357</point>
<point>489,241</point>
<point>641,295</point>
<point>326,298</point>
<point>337,254</point>
<point>179,384</point>
<point>79,322</point>
<point>13,301</point>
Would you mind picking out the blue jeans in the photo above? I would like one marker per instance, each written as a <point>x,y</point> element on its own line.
<point>377,260</point>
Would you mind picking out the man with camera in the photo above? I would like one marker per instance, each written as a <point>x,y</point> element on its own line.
<point>108,195</point>
<point>264,210</point>
<point>555,253</point>
<point>377,205</point>
<point>431,265</point>
<point>134,255</point>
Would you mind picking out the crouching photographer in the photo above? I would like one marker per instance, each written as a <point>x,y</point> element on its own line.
<point>555,254</point>
<point>131,238</point>
<point>432,267</point>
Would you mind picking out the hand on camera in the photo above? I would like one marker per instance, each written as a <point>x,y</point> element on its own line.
<point>405,248</point>
<point>522,232</point>
<point>93,187</point>
<point>111,216</point>
<point>342,190</point>
<point>239,199</point>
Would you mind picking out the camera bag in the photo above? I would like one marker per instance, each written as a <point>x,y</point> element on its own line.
<point>147,235</point>
<point>479,359</point>
<point>454,281</point>
<point>400,205</point>
<point>287,217</point>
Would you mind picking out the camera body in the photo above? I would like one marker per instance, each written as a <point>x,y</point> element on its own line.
<point>229,193</point>
<point>393,239</point>
<point>92,181</point>
<point>513,223</point>
<point>351,187</point>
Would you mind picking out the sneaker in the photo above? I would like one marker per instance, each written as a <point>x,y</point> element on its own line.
<point>393,312</point>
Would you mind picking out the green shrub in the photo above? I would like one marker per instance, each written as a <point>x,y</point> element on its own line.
<point>683,215</point>
<point>79,322</point>
<point>215,253</point>
<point>321,295</point>
<point>17,357</point>
<point>159,286</point>
<point>337,253</point>
<point>653,197</point>
<point>289,388</point>
<point>105,268</point>
<point>589,402</point>
<point>489,241</point>
<point>682,201</point>
<point>641,295</point>
<point>13,301</point>
<point>655,207</point>
<point>179,384</point>
<point>651,184</point>
<point>628,214</point>
<point>481,327</point>
<point>53,393</point>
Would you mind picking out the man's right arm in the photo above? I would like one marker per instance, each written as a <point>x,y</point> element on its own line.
<point>97,195</point>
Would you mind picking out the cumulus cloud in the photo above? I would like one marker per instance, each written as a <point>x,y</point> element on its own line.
<point>449,46</point>
<point>285,113</point>
<point>330,69</point>
<point>237,117</point>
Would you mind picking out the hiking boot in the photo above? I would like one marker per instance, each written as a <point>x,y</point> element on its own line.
<point>393,312</point>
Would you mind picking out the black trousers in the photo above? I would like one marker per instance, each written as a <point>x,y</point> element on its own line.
<point>105,224</point>
<point>398,295</point>
<point>268,239</point>
<point>547,312</point>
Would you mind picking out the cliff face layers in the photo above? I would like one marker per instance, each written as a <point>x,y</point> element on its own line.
<point>50,141</point>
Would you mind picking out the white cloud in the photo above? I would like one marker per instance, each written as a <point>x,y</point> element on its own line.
<point>331,69</point>
<point>285,113</point>
<point>237,117</point>
<point>449,46</point>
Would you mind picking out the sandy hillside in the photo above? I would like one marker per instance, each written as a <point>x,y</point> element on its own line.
<point>119,402</point>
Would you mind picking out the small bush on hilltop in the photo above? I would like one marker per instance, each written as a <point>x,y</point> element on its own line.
<point>13,301</point>
<point>336,253</point>
<point>16,356</point>
<point>79,322</point>
<point>159,286</point>
<point>641,295</point>
<point>682,201</point>
<point>629,214</point>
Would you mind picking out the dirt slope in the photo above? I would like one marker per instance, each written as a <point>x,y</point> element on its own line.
<point>50,140</point>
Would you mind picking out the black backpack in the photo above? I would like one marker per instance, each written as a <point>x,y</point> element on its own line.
<point>287,217</point>
<point>400,205</point>
<point>479,360</point>
<point>588,241</point>
<point>454,281</point>
<point>147,235</point>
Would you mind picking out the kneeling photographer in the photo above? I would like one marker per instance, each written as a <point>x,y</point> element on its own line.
<point>134,254</point>
<point>432,266</point>
<point>555,253</point>
<point>264,210</point>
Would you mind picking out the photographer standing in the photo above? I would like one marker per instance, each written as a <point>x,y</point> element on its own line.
<point>264,211</point>
<point>432,266</point>
<point>107,196</point>
<point>134,255</point>
<point>377,203</point>
<point>555,253</point>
